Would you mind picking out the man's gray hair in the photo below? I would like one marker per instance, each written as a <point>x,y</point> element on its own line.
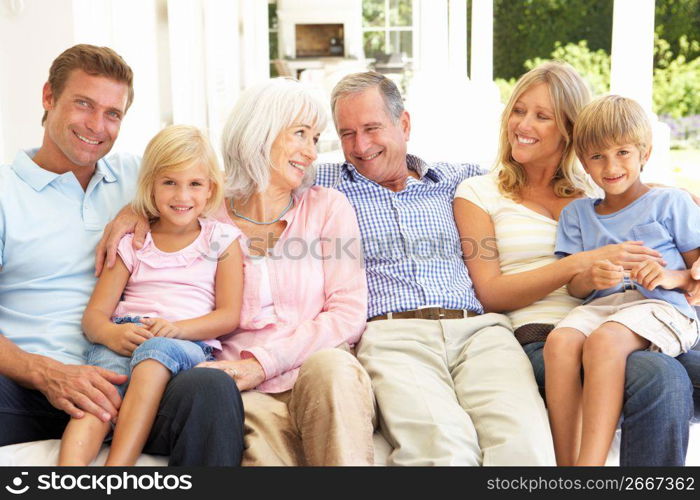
<point>359,82</point>
<point>262,112</point>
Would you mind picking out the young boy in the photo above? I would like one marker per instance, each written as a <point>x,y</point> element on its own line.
<point>625,309</point>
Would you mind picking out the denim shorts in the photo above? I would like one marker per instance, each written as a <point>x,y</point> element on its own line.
<point>175,354</point>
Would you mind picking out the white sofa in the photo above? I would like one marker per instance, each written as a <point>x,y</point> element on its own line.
<point>45,453</point>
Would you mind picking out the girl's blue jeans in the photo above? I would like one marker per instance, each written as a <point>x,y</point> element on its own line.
<point>175,354</point>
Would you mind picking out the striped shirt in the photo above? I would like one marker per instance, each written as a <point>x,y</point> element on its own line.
<point>411,245</point>
<point>525,241</point>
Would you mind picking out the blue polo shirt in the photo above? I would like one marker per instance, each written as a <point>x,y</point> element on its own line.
<point>49,228</point>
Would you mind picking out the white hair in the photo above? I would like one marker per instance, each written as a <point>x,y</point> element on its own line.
<point>262,112</point>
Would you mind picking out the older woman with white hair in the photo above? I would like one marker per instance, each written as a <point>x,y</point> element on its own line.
<point>307,399</point>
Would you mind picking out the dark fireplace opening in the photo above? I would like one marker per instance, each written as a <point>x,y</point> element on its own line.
<point>319,40</point>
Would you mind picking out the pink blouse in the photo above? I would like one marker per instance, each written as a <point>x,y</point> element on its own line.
<point>174,285</point>
<point>318,287</point>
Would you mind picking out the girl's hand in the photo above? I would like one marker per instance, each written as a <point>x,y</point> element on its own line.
<point>162,328</point>
<point>247,373</point>
<point>604,274</point>
<point>626,254</point>
<point>127,337</point>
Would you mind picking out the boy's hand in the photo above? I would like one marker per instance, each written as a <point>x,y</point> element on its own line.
<point>604,274</point>
<point>127,337</point>
<point>695,270</point>
<point>692,293</point>
<point>162,328</point>
<point>651,275</point>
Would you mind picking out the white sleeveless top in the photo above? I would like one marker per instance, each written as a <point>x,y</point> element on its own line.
<point>525,241</point>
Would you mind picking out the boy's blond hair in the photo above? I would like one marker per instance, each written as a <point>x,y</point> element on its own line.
<point>176,148</point>
<point>610,121</point>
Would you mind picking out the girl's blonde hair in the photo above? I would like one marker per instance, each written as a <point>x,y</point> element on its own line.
<point>262,112</point>
<point>176,148</point>
<point>569,94</point>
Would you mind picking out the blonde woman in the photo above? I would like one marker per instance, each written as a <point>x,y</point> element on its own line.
<point>518,206</point>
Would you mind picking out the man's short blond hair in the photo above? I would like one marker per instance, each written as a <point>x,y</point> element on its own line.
<point>173,149</point>
<point>610,121</point>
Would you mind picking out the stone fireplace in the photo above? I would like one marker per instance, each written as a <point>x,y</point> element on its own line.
<point>319,28</point>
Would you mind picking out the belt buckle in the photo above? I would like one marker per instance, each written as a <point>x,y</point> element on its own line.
<point>431,313</point>
<point>422,313</point>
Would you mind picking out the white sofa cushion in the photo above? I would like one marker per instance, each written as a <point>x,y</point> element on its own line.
<point>45,453</point>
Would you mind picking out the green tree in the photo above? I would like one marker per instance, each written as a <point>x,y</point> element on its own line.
<point>594,65</point>
<point>527,29</point>
<point>678,18</point>
<point>677,79</point>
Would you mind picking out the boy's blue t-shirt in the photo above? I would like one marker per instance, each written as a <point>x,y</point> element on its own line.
<point>665,219</point>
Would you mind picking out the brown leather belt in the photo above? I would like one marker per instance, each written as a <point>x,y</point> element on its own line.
<point>427,313</point>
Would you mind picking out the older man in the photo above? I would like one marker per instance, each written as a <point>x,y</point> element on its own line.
<point>54,203</point>
<point>452,384</point>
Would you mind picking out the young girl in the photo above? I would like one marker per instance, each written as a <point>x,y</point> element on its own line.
<point>157,310</point>
<point>623,313</point>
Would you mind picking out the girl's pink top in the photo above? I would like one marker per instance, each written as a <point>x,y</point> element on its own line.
<point>174,285</point>
<point>318,285</point>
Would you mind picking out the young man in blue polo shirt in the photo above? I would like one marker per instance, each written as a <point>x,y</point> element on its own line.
<point>54,203</point>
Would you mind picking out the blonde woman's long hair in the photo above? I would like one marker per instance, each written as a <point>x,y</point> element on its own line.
<point>569,93</point>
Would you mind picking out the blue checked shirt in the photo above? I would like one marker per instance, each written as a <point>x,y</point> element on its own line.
<point>411,246</point>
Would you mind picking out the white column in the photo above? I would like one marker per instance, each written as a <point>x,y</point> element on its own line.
<point>481,53</point>
<point>433,42</point>
<point>223,75</point>
<point>255,45</point>
<point>633,50</point>
<point>31,36</point>
<point>3,155</point>
<point>187,68</point>
<point>458,37</point>
<point>632,72</point>
<point>286,42</point>
<point>103,23</point>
